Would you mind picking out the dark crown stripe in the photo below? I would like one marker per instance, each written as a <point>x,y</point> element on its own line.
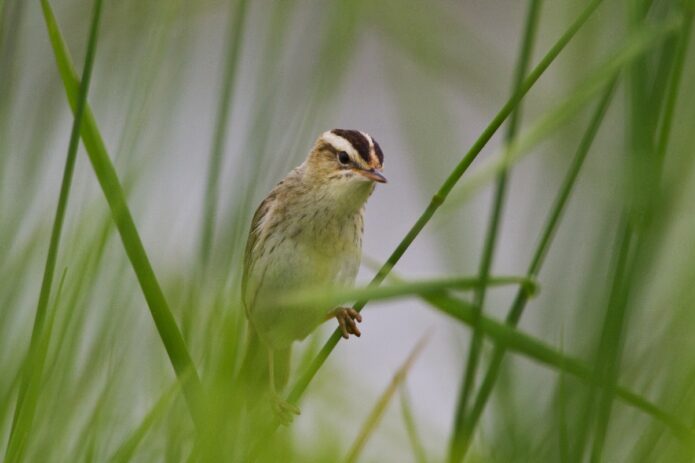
<point>379,153</point>
<point>357,140</point>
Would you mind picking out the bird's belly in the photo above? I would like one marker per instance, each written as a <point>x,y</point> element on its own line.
<point>290,266</point>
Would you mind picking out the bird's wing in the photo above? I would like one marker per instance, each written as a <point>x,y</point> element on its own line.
<point>258,217</point>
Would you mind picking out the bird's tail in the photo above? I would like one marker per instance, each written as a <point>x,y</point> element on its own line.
<point>254,372</point>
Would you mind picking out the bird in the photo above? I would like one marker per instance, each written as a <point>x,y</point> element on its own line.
<point>306,233</point>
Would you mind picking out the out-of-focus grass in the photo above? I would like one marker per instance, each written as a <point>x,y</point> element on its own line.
<point>458,438</point>
<point>132,243</point>
<point>379,409</point>
<point>108,390</point>
<point>237,19</point>
<point>32,370</point>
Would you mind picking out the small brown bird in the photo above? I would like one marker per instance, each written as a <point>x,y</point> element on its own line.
<point>307,233</point>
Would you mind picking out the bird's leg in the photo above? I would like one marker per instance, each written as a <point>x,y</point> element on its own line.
<point>282,408</point>
<point>347,319</point>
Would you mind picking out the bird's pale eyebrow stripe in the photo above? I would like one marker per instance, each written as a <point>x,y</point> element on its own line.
<point>357,140</point>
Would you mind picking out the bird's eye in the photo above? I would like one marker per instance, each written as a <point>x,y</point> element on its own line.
<point>343,157</point>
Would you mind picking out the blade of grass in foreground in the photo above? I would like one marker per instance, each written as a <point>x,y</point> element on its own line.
<point>673,86</point>
<point>639,217</point>
<point>538,351</point>
<point>25,405</point>
<point>337,297</point>
<point>624,57</point>
<point>491,237</point>
<point>639,43</point>
<point>17,446</point>
<point>113,191</point>
<point>536,263</point>
<point>508,338</point>
<point>607,357</point>
<point>126,450</point>
<point>410,427</point>
<point>383,402</point>
<point>448,185</point>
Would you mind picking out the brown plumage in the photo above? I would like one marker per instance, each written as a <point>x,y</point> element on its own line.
<point>307,233</point>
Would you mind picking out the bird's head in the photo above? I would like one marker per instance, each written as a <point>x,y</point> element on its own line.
<point>346,159</point>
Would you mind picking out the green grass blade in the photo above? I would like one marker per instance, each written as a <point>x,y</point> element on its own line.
<point>410,426</point>
<point>24,413</point>
<point>638,220</point>
<point>542,249</point>
<point>639,43</point>
<point>673,86</point>
<point>562,402</point>
<point>234,38</point>
<point>612,331</point>
<point>113,191</point>
<point>455,447</point>
<point>338,296</point>
<point>516,341</point>
<point>380,407</point>
<point>32,361</point>
<point>537,261</point>
<point>126,450</point>
<point>509,338</point>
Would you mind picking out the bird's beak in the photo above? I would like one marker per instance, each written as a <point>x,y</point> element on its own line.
<point>372,174</point>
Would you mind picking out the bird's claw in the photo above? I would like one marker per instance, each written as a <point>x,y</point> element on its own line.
<point>347,319</point>
<point>284,410</point>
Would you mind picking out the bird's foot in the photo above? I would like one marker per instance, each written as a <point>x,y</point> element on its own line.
<point>284,410</point>
<point>348,319</point>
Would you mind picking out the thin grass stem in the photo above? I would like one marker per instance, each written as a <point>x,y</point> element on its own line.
<point>379,409</point>
<point>411,426</point>
<point>513,340</point>
<point>674,86</point>
<point>336,297</point>
<point>33,365</point>
<point>537,260</point>
<point>115,196</point>
<point>639,43</point>
<point>128,447</point>
<point>491,236</point>
<point>538,351</point>
<point>645,146</point>
<point>613,328</point>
